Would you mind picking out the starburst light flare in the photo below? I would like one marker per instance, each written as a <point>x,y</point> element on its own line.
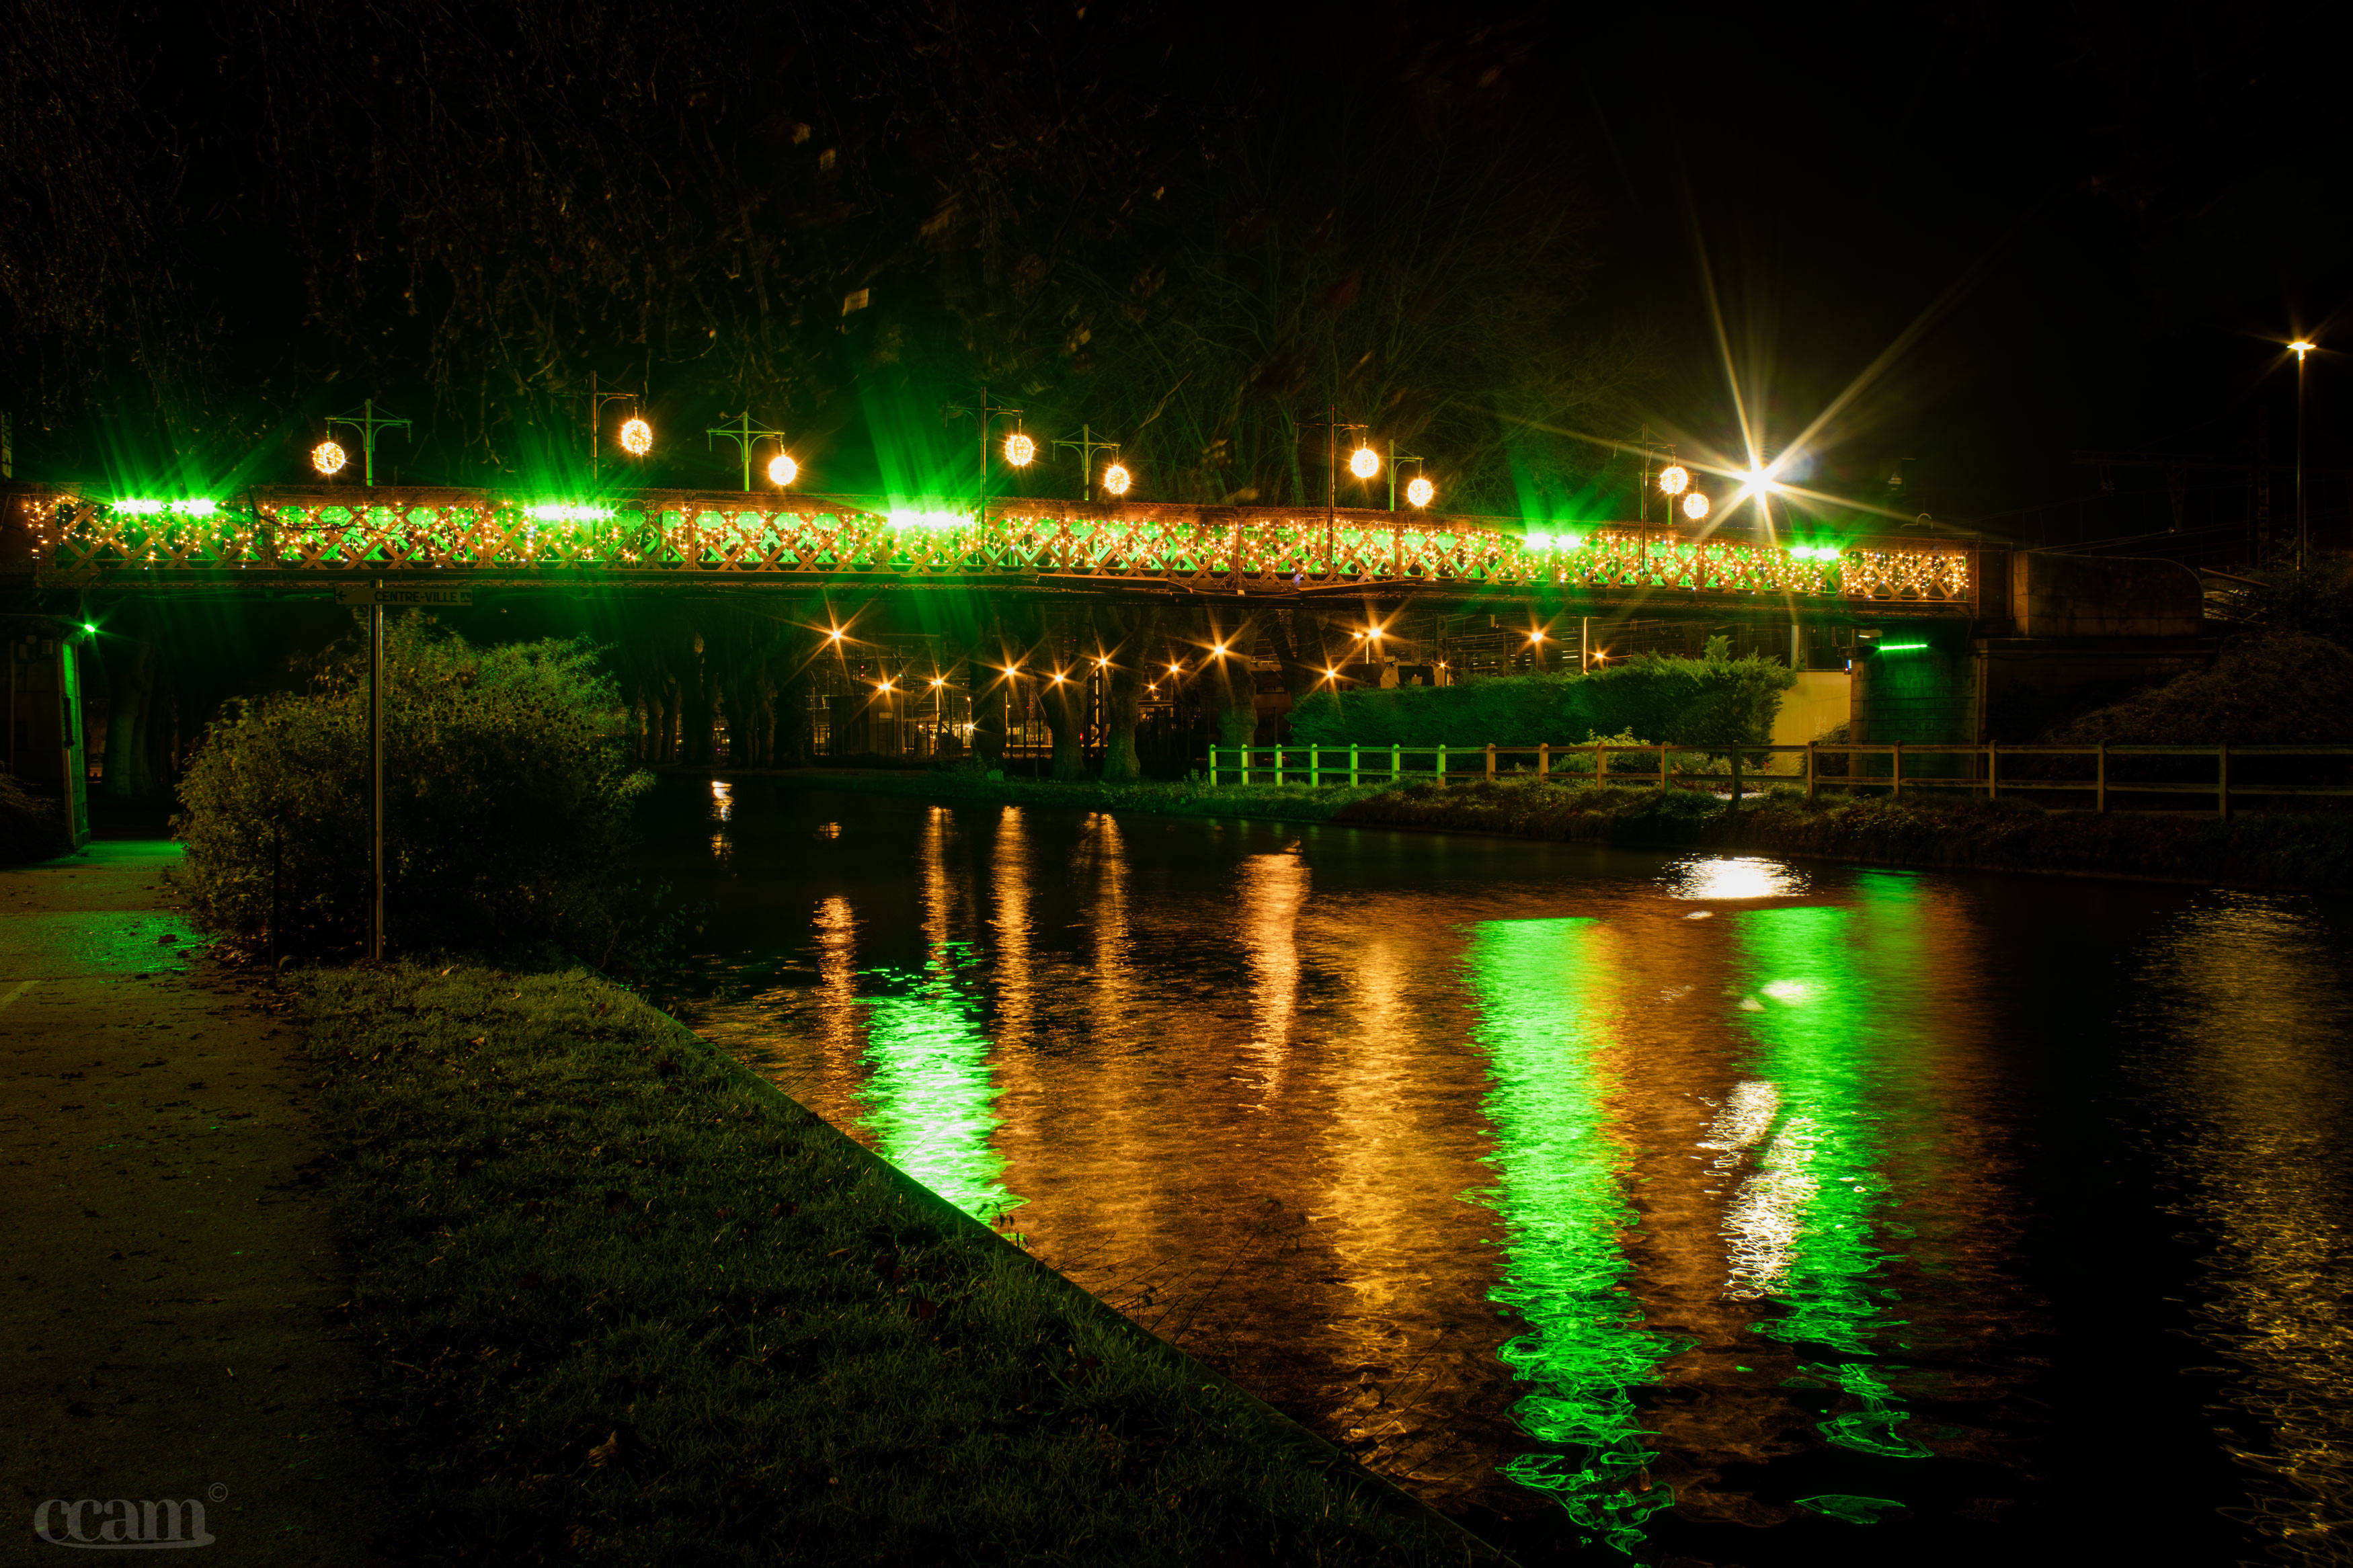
<point>637,437</point>
<point>782,470</point>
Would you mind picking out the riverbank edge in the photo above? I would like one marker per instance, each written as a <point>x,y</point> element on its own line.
<point>2306,852</point>
<point>574,1031</point>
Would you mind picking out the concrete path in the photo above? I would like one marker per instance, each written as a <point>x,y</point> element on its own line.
<point>167,1279</point>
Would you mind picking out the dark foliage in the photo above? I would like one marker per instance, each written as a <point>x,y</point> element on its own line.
<point>508,792</point>
<point>31,826</point>
<point>219,223</point>
<point>2287,689</point>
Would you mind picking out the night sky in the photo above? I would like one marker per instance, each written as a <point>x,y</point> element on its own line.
<point>2097,224</point>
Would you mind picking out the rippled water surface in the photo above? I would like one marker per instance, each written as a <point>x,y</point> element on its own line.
<point>1721,1210</point>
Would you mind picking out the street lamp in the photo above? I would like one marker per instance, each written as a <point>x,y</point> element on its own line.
<point>1695,505</point>
<point>1421,492</point>
<point>2300,348</point>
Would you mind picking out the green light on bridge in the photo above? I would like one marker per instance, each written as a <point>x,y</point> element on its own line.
<point>144,506</point>
<point>1901,647</point>
<point>1539,540</point>
<point>910,517</point>
<point>569,511</point>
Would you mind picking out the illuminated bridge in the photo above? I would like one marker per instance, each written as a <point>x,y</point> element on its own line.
<point>288,539</point>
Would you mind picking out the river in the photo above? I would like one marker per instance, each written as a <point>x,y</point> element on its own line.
<point>1625,1205</point>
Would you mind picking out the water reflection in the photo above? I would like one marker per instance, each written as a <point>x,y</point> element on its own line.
<point>1721,876</point>
<point>1487,1160</point>
<point>1543,992</point>
<point>2252,1073</point>
<point>1800,1232</point>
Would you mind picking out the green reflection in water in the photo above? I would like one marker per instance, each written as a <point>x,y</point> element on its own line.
<point>1802,1229</point>
<point>928,1090</point>
<point>1561,1200</point>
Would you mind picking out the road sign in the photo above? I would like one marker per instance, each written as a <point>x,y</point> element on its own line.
<point>417,598</point>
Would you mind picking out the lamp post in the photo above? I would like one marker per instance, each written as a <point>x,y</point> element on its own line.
<point>2300,348</point>
<point>742,435</point>
<point>597,397</point>
<point>1020,450</point>
<point>1086,446</point>
<point>367,422</point>
<point>1396,458</point>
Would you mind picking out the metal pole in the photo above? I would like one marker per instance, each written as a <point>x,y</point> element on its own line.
<point>375,772</point>
<point>2302,536</point>
<point>1585,644</point>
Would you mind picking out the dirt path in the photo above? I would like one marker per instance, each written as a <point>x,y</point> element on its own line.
<point>167,1281</point>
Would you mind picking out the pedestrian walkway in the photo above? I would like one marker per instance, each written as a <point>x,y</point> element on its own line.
<point>168,1284</point>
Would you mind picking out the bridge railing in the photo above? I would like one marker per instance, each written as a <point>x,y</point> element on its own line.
<point>415,530</point>
<point>2237,772</point>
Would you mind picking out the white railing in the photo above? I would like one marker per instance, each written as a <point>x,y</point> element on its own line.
<point>1753,767</point>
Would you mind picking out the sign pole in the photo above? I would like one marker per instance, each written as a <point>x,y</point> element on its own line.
<point>376,597</point>
<point>375,768</point>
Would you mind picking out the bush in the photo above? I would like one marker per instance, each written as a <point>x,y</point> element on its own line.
<point>1712,701</point>
<point>2287,689</point>
<point>31,825</point>
<point>508,790</point>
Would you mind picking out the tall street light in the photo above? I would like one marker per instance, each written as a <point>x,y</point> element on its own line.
<point>2300,348</point>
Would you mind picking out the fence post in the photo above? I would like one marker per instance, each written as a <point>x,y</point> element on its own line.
<point>1600,765</point>
<point>1663,765</point>
<point>1491,762</point>
<point>1315,766</point>
<point>1441,767</point>
<point>1213,767</point>
<point>1544,759</point>
<point>1898,770</point>
<point>1993,770</point>
<point>2222,781</point>
<point>1352,761</point>
<point>1397,764</point>
<point>1809,770</point>
<point>2100,780</point>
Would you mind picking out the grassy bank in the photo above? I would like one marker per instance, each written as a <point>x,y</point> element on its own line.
<point>2297,850</point>
<point>632,1306</point>
<point>2279,851</point>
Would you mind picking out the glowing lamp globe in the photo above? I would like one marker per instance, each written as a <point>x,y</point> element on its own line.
<point>1365,463</point>
<point>636,438</point>
<point>1019,450</point>
<point>329,458</point>
<point>1695,505</point>
<point>1674,478</point>
<point>1421,492</point>
<point>782,470</point>
<point>1116,479</point>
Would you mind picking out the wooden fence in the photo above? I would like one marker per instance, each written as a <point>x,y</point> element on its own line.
<point>1935,767</point>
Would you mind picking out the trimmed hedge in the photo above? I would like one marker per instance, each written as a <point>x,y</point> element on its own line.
<point>1683,701</point>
